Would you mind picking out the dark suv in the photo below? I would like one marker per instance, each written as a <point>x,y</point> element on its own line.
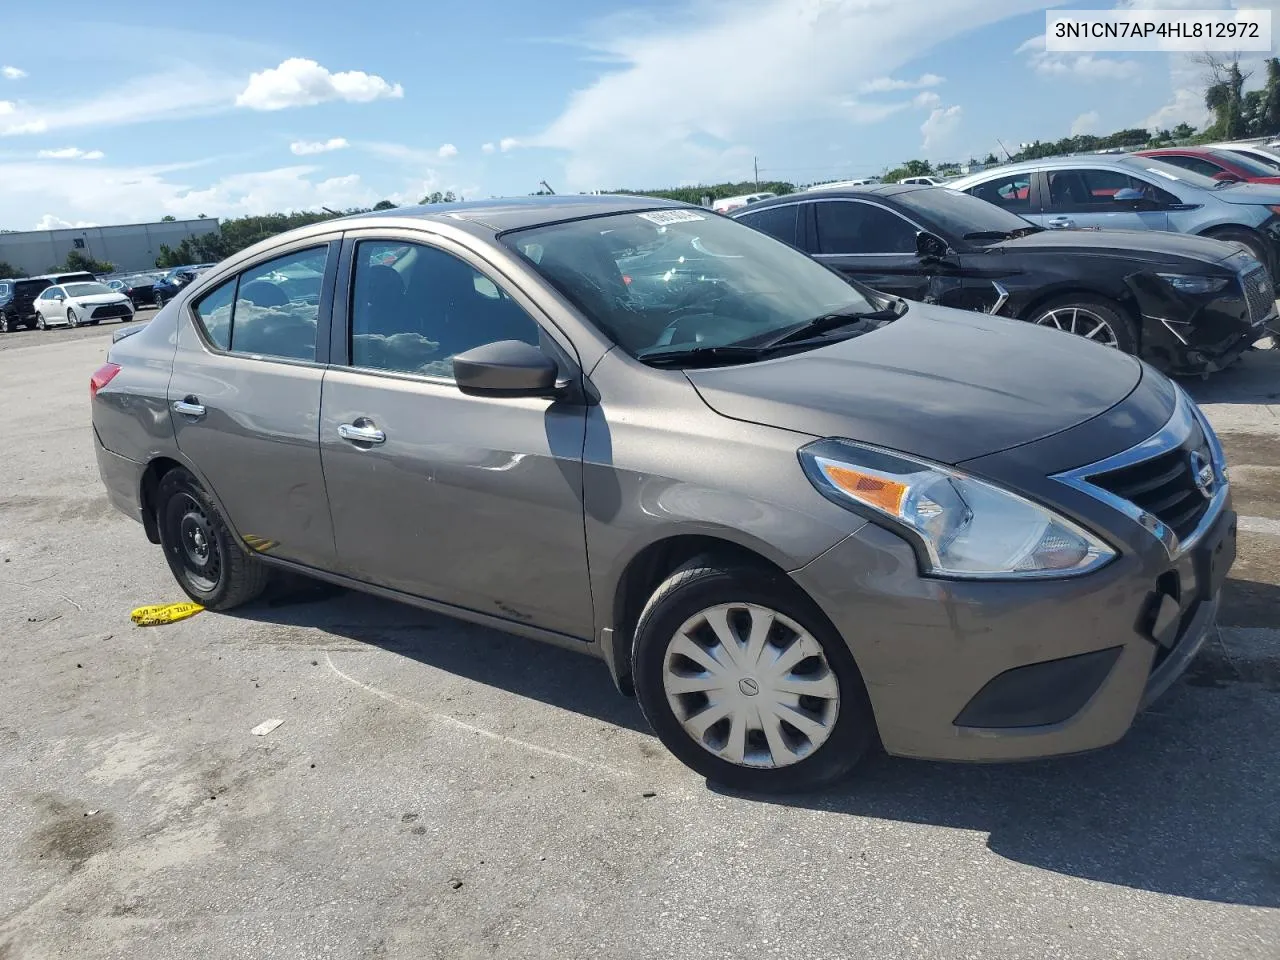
<point>17,299</point>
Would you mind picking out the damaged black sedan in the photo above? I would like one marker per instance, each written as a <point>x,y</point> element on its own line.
<point>1186,304</point>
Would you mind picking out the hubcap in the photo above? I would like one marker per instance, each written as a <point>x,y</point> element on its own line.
<point>1083,322</point>
<point>751,686</point>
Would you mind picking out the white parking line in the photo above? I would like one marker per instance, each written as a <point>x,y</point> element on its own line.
<point>479,731</point>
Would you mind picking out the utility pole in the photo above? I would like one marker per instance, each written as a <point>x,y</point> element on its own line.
<point>755,166</point>
<point>547,187</point>
<point>1007,154</point>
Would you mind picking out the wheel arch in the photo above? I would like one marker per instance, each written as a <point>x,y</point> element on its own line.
<point>645,572</point>
<point>149,484</point>
<point>1124,302</point>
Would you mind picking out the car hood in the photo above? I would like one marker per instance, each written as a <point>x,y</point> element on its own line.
<point>1154,244</point>
<point>1259,193</point>
<point>948,385</point>
<point>99,299</point>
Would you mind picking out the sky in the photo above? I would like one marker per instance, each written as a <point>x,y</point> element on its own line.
<point>285,105</point>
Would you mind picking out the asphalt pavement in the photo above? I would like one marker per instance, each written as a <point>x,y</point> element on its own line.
<point>438,790</point>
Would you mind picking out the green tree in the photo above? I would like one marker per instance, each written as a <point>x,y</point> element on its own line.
<point>168,218</point>
<point>1224,96</point>
<point>384,205</point>
<point>438,197</point>
<point>78,261</point>
<point>9,271</point>
<point>1183,131</point>
<point>715,191</point>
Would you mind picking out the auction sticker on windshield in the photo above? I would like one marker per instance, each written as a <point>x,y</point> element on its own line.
<point>663,217</point>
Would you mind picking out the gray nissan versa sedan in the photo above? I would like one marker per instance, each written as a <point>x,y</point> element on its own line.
<point>789,513</point>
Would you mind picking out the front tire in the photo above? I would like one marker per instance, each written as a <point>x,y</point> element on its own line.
<point>72,322</point>
<point>746,682</point>
<point>40,324</point>
<point>4,323</point>
<point>1251,242</point>
<point>1091,318</point>
<point>208,562</point>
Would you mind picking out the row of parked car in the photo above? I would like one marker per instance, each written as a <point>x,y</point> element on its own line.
<point>1133,251</point>
<point>77,298</point>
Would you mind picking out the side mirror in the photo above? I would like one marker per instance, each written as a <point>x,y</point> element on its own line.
<point>508,368</point>
<point>930,246</point>
<point>59,297</point>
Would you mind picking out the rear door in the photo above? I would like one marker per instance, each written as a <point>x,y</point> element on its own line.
<point>245,399</point>
<point>470,501</point>
<point>1085,197</point>
<point>873,244</point>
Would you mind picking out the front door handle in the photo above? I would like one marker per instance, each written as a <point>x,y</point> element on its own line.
<point>1060,223</point>
<point>362,431</point>
<point>189,407</point>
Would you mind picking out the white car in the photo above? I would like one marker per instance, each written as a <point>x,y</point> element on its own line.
<point>924,181</point>
<point>844,184</point>
<point>726,204</point>
<point>73,304</point>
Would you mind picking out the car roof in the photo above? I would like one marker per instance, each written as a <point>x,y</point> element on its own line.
<point>517,213</point>
<point>882,190</point>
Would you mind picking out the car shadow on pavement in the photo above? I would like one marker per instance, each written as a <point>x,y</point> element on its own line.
<point>1254,379</point>
<point>1187,804</point>
<point>531,669</point>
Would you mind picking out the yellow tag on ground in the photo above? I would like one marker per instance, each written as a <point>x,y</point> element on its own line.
<point>164,613</point>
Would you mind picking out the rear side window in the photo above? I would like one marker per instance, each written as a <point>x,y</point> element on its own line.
<point>1013,192</point>
<point>778,222</point>
<point>1197,164</point>
<point>270,310</point>
<point>846,226</point>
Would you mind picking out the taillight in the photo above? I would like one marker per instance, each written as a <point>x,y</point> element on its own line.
<point>101,377</point>
<point>626,279</point>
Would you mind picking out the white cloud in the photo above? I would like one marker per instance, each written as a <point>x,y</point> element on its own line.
<point>12,73</point>
<point>1085,123</point>
<point>28,126</point>
<point>305,148</point>
<point>50,222</point>
<point>1084,66</point>
<point>774,62</point>
<point>298,82</point>
<point>70,153</point>
<point>487,148</point>
<point>887,85</point>
<point>926,98</point>
<point>508,143</point>
<point>7,107</point>
<point>939,129</point>
<point>401,153</point>
<point>447,151</point>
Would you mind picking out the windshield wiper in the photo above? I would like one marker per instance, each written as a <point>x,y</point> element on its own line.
<point>705,356</point>
<point>1002,234</point>
<point>870,319</point>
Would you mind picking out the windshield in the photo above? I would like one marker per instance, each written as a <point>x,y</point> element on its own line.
<point>959,214</point>
<point>676,279</point>
<point>1167,171</point>
<point>1251,166</point>
<point>86,289</point>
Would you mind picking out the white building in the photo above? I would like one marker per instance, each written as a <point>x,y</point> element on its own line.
<point>130,246</point>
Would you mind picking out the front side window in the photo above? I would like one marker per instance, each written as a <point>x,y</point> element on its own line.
<point>846,226</point>
<point>415,307</point>
<point>675,279</point>
<point>53,293</point>
<point>270,310</point>
<point>1012,191</point>
<point>1095,190</point>
<point>779,222</point>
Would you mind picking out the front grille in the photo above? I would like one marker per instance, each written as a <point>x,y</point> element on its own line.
<point>110,310</point>
<point>1165,485</point>
<point>1259,292</point>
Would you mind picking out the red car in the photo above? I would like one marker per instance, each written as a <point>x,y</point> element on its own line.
<point>1219,164</point>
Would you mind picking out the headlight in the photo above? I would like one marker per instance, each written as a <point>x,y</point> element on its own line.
<point>1185,283</point>
<point>967,527</point>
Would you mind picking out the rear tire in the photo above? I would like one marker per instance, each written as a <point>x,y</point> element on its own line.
<point>210,565</point>
<point>771,738</point>
<point>1090,318</point>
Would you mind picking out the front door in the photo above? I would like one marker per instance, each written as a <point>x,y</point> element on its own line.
<point>471,501</point>
<point>245,401</point>
<point>1086,199</point>
<point>877,246</point>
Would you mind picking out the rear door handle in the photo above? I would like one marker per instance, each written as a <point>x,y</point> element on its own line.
<point>189,407</point>
<point>1060,223</point>
<point>362,431</point>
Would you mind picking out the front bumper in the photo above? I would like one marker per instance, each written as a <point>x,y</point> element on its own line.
<point>1057,666</point>
<point>1189,334</point>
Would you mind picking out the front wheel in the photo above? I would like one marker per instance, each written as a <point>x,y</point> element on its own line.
<point>1091,318</point>
<point>4,323</point>
<point>72,322</point>
<point>1250,242</point>
<point>745,681</point>
<point>40,324</point>
<point>209,564</point>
